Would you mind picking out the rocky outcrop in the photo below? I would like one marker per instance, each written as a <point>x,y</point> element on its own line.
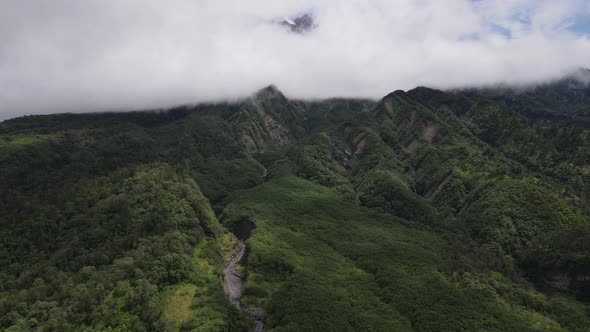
<point>300,24</point>
<point>269,120</point>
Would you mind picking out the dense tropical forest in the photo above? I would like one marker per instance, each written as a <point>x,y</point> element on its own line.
<point>423,211</point>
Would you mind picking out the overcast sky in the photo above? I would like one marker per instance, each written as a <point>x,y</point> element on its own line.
<point>95,55</point>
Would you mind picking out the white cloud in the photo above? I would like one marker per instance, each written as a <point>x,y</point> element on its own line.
<point>68,55</point>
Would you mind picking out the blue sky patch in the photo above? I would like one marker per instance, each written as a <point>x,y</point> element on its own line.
<point>498,29</point>
<point>581,25</point>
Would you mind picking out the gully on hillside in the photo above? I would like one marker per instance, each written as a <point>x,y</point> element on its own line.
<point>234,279</point>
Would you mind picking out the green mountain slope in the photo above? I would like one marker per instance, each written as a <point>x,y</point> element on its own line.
<point>424,211</point>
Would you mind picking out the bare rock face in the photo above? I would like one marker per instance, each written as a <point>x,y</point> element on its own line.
<point>300,24</point>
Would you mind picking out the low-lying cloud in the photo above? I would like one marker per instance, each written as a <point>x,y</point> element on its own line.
<point>93,55</point>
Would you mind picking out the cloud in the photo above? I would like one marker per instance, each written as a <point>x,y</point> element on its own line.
<point>67,55</point>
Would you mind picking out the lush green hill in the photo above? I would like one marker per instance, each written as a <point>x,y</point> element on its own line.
<point>424,211</point>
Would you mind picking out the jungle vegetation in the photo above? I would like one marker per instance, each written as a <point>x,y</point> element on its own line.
<point>423,211</point>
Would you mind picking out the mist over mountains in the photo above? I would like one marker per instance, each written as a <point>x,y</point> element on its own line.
<point>286,166</point>
<point>565,97</point>
<point>112,55</point>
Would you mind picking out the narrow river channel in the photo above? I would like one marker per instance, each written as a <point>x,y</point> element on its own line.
<point>234,280</point>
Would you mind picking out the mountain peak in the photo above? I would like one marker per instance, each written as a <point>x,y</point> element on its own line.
<point>300,24</point>
<point>270,92</point>
<point>582,75</point>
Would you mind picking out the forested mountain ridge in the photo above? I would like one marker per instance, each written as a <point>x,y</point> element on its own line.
<point>426,210</point>
<point>564,98</point>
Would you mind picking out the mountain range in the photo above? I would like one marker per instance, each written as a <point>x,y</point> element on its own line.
<point>426,210</point>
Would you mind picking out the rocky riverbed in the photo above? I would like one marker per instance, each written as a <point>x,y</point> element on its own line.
<point>234,280</point>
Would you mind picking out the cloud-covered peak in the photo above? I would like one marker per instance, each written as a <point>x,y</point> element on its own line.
<point>299,24</point>
<point>582,75</point>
